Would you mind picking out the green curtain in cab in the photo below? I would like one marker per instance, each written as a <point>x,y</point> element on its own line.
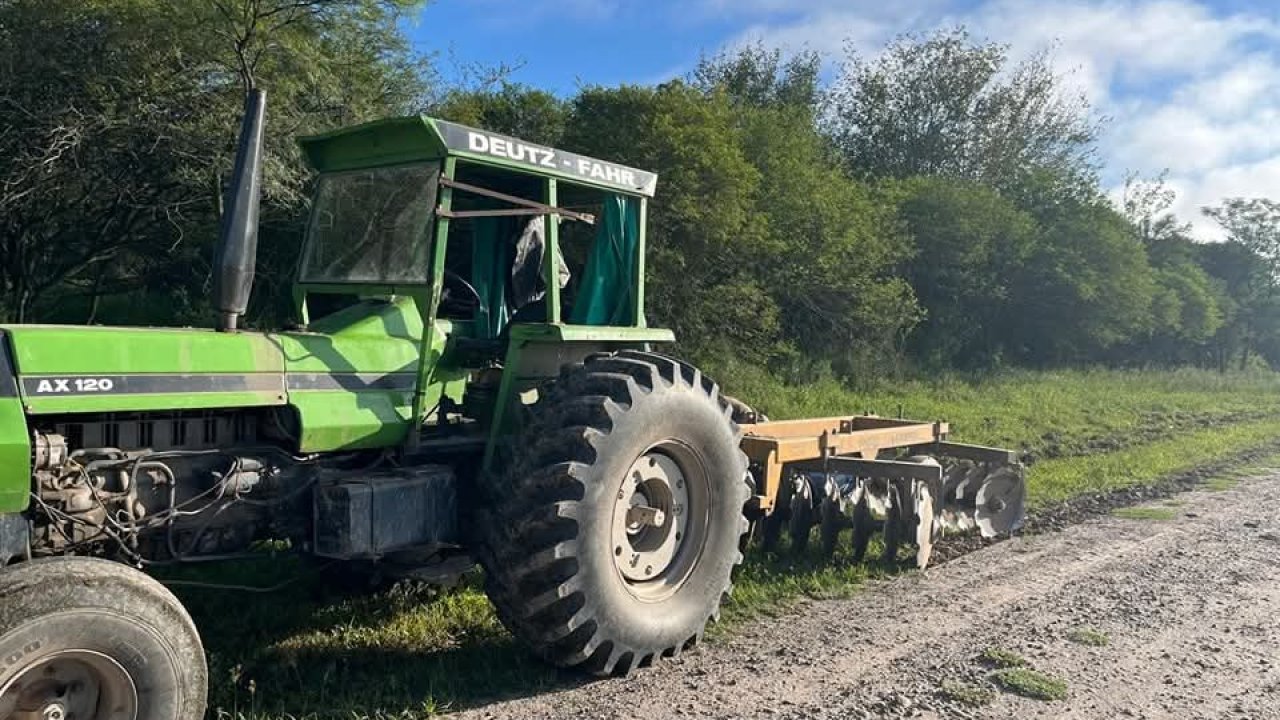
<point>490,263</point>
<point>606,295</point>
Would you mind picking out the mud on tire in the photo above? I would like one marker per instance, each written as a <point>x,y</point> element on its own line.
<point>579,566</point>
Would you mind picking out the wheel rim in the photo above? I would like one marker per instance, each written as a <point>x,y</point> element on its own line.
<point>70,685</point>
<point>660,520</point>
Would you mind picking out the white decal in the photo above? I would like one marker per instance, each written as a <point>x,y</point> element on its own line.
<point>83,385</point>
<point>546,158</point>
<point>510,149</point>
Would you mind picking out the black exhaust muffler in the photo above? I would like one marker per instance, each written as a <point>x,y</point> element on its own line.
<point>238,234</point>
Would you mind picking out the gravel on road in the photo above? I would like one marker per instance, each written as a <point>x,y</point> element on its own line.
<point>1140,618</point>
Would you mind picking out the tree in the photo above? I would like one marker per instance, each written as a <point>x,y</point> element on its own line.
<point>830,242</point>
<point>758,77</point>
<point>1146,204</point>
<point>945,105</point>
<point>514,109</point>
<point>1187,306</point>
<point>971,246</point>
<point>1234,270</point>
<point>121,118</point>
<point>702,229</point>
<point>1254,226</point>
<point>1086,288</point>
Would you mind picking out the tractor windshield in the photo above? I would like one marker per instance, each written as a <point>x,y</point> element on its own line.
<point>372,226</point>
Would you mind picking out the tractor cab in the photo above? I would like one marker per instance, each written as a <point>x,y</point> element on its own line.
<point>516,256</point>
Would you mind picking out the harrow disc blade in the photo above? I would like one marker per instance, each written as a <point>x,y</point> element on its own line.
<point>802,513</point>
<point>833,519</point>
<point>999,504</point>
<point>963,482</point>
<point>863,527</point>
<point>896,517</point>
<point>924,522</point>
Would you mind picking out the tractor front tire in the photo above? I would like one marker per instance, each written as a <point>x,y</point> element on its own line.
<point>91,639</point>
<point>610,539</point>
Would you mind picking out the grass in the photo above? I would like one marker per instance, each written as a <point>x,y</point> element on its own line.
<point>1221,484</point>
<point>967,693</point>
<point>1229,479</point>
<point>1060,479</point>
<point>325,648</point>
<point>1088,636</point>
<point>1046,414</point>
<point>1030,684</point>
<point>1145,513</point>
<point>1001,658</point>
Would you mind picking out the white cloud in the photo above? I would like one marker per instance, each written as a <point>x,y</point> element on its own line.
<point>837,30</point>
<point>1188,87</point>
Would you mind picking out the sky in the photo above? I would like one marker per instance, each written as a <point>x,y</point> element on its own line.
<point>1191,87</point>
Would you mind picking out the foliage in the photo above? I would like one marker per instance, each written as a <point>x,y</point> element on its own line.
<point>1086,288</point>
<point>120,118</point>
<point>944,105</point>
<point>935,206</point>
<point>1253,228</point>
<point>513,109</point>
<point>971,246</point>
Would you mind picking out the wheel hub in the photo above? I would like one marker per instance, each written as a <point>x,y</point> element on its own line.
<point>70,685</point>
<point>652,523</point>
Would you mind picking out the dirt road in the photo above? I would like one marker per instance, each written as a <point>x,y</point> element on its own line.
<point>1190,607</point>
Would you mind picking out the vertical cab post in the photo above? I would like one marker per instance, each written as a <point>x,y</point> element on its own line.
<point>551,258</point>
<point>429,303</point>
<point>638,320</point>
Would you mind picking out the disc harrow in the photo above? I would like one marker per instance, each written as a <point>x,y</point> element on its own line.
<point>868,474</point>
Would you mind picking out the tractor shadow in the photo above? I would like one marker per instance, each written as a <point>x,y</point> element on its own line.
<point>331,646</point>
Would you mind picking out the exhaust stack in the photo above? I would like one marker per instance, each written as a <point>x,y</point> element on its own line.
<point>238,233</point>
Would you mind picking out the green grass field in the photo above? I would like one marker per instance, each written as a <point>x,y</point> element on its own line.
<point>323,649</point>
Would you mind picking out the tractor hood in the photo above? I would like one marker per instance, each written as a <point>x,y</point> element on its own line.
<point>96,369</point>
<point>350,384</point>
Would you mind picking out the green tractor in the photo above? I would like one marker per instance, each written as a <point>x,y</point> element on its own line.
<point>471,380</point>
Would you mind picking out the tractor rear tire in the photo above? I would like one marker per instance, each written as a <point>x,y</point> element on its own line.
<point>611,538</point>
<point>95,640</point>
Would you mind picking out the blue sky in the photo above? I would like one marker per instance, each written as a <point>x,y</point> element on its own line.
<point>1190,86</point>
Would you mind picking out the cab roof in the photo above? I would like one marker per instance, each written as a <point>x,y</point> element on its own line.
<point>419,138</point>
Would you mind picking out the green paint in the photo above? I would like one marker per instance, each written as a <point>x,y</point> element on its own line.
<point>40,350</point>
<point>157,402</point>
<point>546,332</point>
<point>392,329</point>
<point>393,141</point>
<point>551,254</point>
<point>374,336</point>
<point>639,319</point>
<point>54,349</point>
<point>429,305</point>
<point>15,457</point>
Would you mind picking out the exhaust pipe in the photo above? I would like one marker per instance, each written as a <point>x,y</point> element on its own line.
<point>238,233</point>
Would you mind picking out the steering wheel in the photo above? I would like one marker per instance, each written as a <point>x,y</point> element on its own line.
<point>469,299</point>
